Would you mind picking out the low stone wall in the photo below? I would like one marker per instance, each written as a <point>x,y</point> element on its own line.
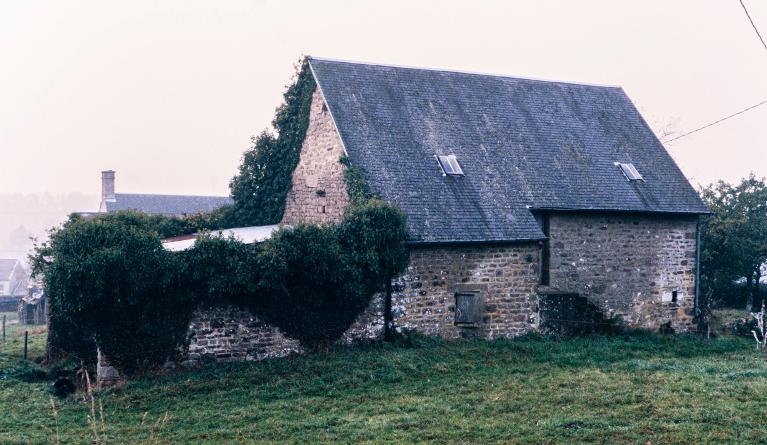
<point>502,278</point>
<point>227,333</point>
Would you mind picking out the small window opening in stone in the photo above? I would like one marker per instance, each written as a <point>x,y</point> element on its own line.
<point>321,209</point>
<point>629,171</point>
<point>674,296</point>
<point>324,108</point>
<point>468,312</point>
<point>450,165</point>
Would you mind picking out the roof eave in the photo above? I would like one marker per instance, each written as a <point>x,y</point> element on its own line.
<point>613,210</point>
<point>416,243</point>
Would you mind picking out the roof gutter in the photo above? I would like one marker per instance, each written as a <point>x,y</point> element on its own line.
<point>619,211</point>
<point>471,242</point>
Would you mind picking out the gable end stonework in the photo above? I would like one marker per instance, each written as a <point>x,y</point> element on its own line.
<point>318,190</point>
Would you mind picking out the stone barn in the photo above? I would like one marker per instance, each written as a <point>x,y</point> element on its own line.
<point>517,191</point>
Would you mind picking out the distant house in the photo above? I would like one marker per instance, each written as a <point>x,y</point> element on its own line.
<point>169,205</point>
<point>521,195</point>
<point>13,283</point>
<point>33,307</point>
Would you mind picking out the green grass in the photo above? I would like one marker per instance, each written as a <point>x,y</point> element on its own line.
<point>634,388</point>
<point>726,318</point>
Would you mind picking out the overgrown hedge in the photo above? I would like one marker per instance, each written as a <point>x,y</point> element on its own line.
<point>111,284</point>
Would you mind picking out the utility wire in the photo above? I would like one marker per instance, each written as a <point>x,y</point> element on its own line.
<point>752,24</point>
<point>716,122</point>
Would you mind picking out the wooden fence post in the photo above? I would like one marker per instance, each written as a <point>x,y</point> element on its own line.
<point>3,327</point>
<point>26,337</point>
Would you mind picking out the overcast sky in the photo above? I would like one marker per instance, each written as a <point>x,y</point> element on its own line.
<point>168,93</point>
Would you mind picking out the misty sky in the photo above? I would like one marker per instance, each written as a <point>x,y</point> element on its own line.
<point>168,93</point>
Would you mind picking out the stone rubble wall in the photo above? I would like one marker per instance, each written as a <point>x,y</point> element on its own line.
<point>422,300</point>
<point>628,264</point>
<point>504,275</point>
<point>318,191</point>
<point>227,333</point>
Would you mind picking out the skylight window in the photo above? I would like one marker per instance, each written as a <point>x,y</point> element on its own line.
<point>450,165</point>
<point>629,171</point>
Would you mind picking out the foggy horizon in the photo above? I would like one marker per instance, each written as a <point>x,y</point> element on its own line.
<point>169,94</point>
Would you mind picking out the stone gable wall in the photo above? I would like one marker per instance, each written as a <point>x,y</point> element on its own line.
<point>318,190</point>
<point>628,264</point>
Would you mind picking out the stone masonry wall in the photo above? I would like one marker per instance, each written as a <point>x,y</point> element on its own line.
<point>227,333</point>
<point>505,275</point>
<point>629,265</point>
<point>423,300</point>
<point>318,191</point>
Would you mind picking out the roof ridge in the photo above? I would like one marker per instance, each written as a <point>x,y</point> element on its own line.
<point>473,73</point>
<point>164,194</point>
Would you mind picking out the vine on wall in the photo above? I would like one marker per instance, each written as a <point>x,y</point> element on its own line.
<point>262,183</point>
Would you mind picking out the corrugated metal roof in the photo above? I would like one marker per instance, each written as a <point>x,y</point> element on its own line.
<point>247,235</point>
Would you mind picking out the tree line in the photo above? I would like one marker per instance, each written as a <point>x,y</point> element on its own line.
<point>734,243</point>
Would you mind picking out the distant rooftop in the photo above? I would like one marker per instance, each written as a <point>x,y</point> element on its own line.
<point>171,205</point>
<point>6,268</point>
<point>166,204</point>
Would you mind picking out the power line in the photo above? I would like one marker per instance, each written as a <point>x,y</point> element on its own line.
<point>716,122</point>
<point>752,24</point>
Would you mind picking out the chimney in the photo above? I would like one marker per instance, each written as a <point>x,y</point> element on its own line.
<point>108,185</point>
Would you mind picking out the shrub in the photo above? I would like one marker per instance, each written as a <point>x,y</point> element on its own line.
<point>374,233</point>
<point>111,283</point>
<point>317,280</point>
<point>308,286</point>
<point>217,269</point>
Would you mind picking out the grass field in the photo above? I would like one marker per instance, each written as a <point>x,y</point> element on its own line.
<point>633,388</point>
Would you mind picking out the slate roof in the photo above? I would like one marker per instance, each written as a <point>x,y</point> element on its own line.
<point>166,204</point>
<point>523,145</point>
<point>6,268</point>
